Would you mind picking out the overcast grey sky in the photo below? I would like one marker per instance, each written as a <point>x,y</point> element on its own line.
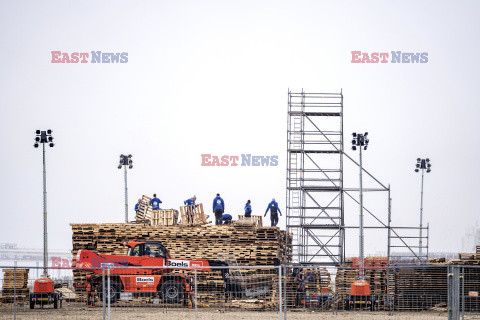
<point>212,77</point>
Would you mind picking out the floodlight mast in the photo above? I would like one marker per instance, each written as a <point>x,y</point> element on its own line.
<point>360,140</point>
<point>44,137</point>
<point>126,160</point>
<point>424,165</point>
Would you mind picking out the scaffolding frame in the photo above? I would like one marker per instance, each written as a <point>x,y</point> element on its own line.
<point>315,192</point>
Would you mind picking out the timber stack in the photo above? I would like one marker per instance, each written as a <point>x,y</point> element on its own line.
<point>15,282</point>
<point>251,246</point>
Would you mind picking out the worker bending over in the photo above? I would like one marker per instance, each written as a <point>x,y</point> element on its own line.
<point>248,209</point>
<point>227,218</point>
<point>190,203</point>
<point>218,209</point>
<point>155,202</point>
<point>274,210</point>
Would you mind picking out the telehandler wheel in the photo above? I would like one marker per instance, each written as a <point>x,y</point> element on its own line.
<point>172,292</point>
<point>114,292</point>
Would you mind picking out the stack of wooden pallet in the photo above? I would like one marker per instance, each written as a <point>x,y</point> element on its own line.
<point>251,246</point>
<point>420,288</point>
<point>15,282</point>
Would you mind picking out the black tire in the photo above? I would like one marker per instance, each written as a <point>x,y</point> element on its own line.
<point>114,292</point>
<point>347,304</point>
<point>172,291</point>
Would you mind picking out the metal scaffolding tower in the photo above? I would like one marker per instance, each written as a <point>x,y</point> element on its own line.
<point>315,176</point>
<point>315,191</point>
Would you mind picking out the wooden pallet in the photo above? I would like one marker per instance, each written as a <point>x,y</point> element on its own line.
<point>144,211</point>
<point>193,215</point>
<point>168,217</point>
<point>256,221</point>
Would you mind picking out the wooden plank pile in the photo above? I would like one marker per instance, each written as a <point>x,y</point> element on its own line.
<point>251,246</point>
<point>15,281</point>
<point>420,288</point>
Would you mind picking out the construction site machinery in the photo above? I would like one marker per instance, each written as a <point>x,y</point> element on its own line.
<point>44,294</point>
<point>146,270</point>
<point>360,296</point>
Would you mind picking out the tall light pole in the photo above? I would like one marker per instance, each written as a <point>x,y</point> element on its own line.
<point>44,137</point>
<point>424,165</point>
<point>360,140</point>
<point>126,161</point>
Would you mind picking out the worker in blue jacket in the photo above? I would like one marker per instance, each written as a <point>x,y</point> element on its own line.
<point>218,208</point>
<point>248,209</point>
<point>227,218</point>
<point>190,203</point>
<point>274,210</point>
<point>138,204</point>
<point>155,202</point>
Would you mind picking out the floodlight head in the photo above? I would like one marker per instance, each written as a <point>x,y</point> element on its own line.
<point>49,131</point>
<point>418,165</point>
<point>429,165</point>
<point>129,155</point>
<point>367,141</point>
<point>354,134</point>
<point>354,141</point>
<point>428,160</point>
<point>51,144</point>
<point>121,156</point>
<point>36,145</point>
<point>37,131</point>
<point>119,166</point>
<point>416,170</point>
<point>130,161</point>
<point>418,159</point>
<point>365,148</point>
<point>354,148</point>
<point>37,139</point>
<point>130,166</point>
<point>428,170</point>
<point>50,138</point>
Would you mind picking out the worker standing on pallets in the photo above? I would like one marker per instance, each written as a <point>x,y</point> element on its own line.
<point>248,210</point>
<point>218,209</point>
<point>190,203</point>
<point>138,205</point>
<point>155,202</point>
<point>274,211</point>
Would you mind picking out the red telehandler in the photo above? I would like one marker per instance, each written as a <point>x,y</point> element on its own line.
<point>172,288</point>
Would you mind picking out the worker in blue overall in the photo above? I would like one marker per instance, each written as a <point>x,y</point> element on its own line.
<point>190,203</point>
<point>227,218</point>
<point>274,211</point>
<point>248,209</point>
<point>155,202</point>
<point>218,209</point>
